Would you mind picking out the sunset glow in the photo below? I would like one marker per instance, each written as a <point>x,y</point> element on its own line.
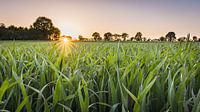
<point>65,40</point>
<point>153,18</point>
<point>99,55</point>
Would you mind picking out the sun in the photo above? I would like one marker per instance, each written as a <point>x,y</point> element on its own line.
<point>65,40</point>
<point>64,45</point>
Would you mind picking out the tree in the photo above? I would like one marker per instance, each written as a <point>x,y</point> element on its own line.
<point>96,36</point>
<point>55,34</point>
<point>2,30</point>
<point>195,39</point>
<point>107,36</point>
<point>42,28</point>
<point>162,38</point>
<point>170,36</point>
<point>99,38</point>
<point>124,36</point>
<point>149,40</point>
<point>2,25</point>
<point>116,37</point>
<point>45,26</point>
<point>182,39</point>
<point>43,23</point>
<point>80,37</point>
<point>12,32</point>
<point>144,39</point>
<point>138,36</point>
<point>132,38</point>
<point>188,37</point>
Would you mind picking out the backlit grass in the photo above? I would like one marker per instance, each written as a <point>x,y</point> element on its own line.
<point>98,77</point>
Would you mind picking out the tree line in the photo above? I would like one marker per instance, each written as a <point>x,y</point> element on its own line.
<point>170,36</point>
<point>41,29</point>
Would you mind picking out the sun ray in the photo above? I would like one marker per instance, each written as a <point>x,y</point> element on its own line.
<point>64,45</point>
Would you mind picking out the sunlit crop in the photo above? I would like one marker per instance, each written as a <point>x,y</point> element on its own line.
<point>99,77</point>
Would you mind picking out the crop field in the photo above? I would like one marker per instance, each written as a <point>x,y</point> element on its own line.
<point>99,77</point>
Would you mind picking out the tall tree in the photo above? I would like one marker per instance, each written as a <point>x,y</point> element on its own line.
<point>42,28</point>
<point>45,26</point>
<point>96,36</point>
<point>138,36</point>
<point>124,36</point>
<point>107,36</point>
<point>171,36</point>
<point>188,37</point>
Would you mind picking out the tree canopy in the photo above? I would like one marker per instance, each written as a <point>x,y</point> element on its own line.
<point>124,36</point>
<point>107,36</point>
<point>41,29</point>
<point>96,36</point>
<point>170,36</point>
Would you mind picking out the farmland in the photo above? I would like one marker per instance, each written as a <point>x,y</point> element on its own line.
<point>99,76</point>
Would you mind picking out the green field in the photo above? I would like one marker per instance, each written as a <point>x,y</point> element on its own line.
<point>99,77</point>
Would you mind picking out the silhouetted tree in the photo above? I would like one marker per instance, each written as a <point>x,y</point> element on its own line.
<point>99,38</point>
<point>149,40</point>
<point>96,36</point>
<point>2,30</point>
<point>116,37</point>
<point>195,39</point>
<point>162,38</point>
<point>182,39</point>
<point>188,37</point>
<point>138,36</point>
<point>124,36</point>
<point>45,26</point>
<point>41,29</point>
<point>155,40</point>
<point>2,25</point>
<point>55,34</point>
<point>170,36</point>
<point>80,37</point>
<point>35,34</point>
<point>144,39</point>
<point>132,38</point>
<point>107,36</point>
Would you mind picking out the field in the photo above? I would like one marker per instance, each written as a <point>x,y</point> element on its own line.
<point>99,77</point>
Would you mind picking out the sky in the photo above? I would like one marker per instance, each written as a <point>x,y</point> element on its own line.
<point>154,18</point>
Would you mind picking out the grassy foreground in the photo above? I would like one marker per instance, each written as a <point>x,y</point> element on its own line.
<point>100,77</point>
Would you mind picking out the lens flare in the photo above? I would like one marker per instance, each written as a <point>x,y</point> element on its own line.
<point>64,45</point>
<point>65,39</point>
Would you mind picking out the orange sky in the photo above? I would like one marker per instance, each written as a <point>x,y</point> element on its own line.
<point>153,18</point>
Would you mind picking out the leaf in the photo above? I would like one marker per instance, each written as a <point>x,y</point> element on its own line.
<point>59,93</point>
<point>130,94</point>
<point>3,88</point>
<point>83,99</point>
<point>114,107</point>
